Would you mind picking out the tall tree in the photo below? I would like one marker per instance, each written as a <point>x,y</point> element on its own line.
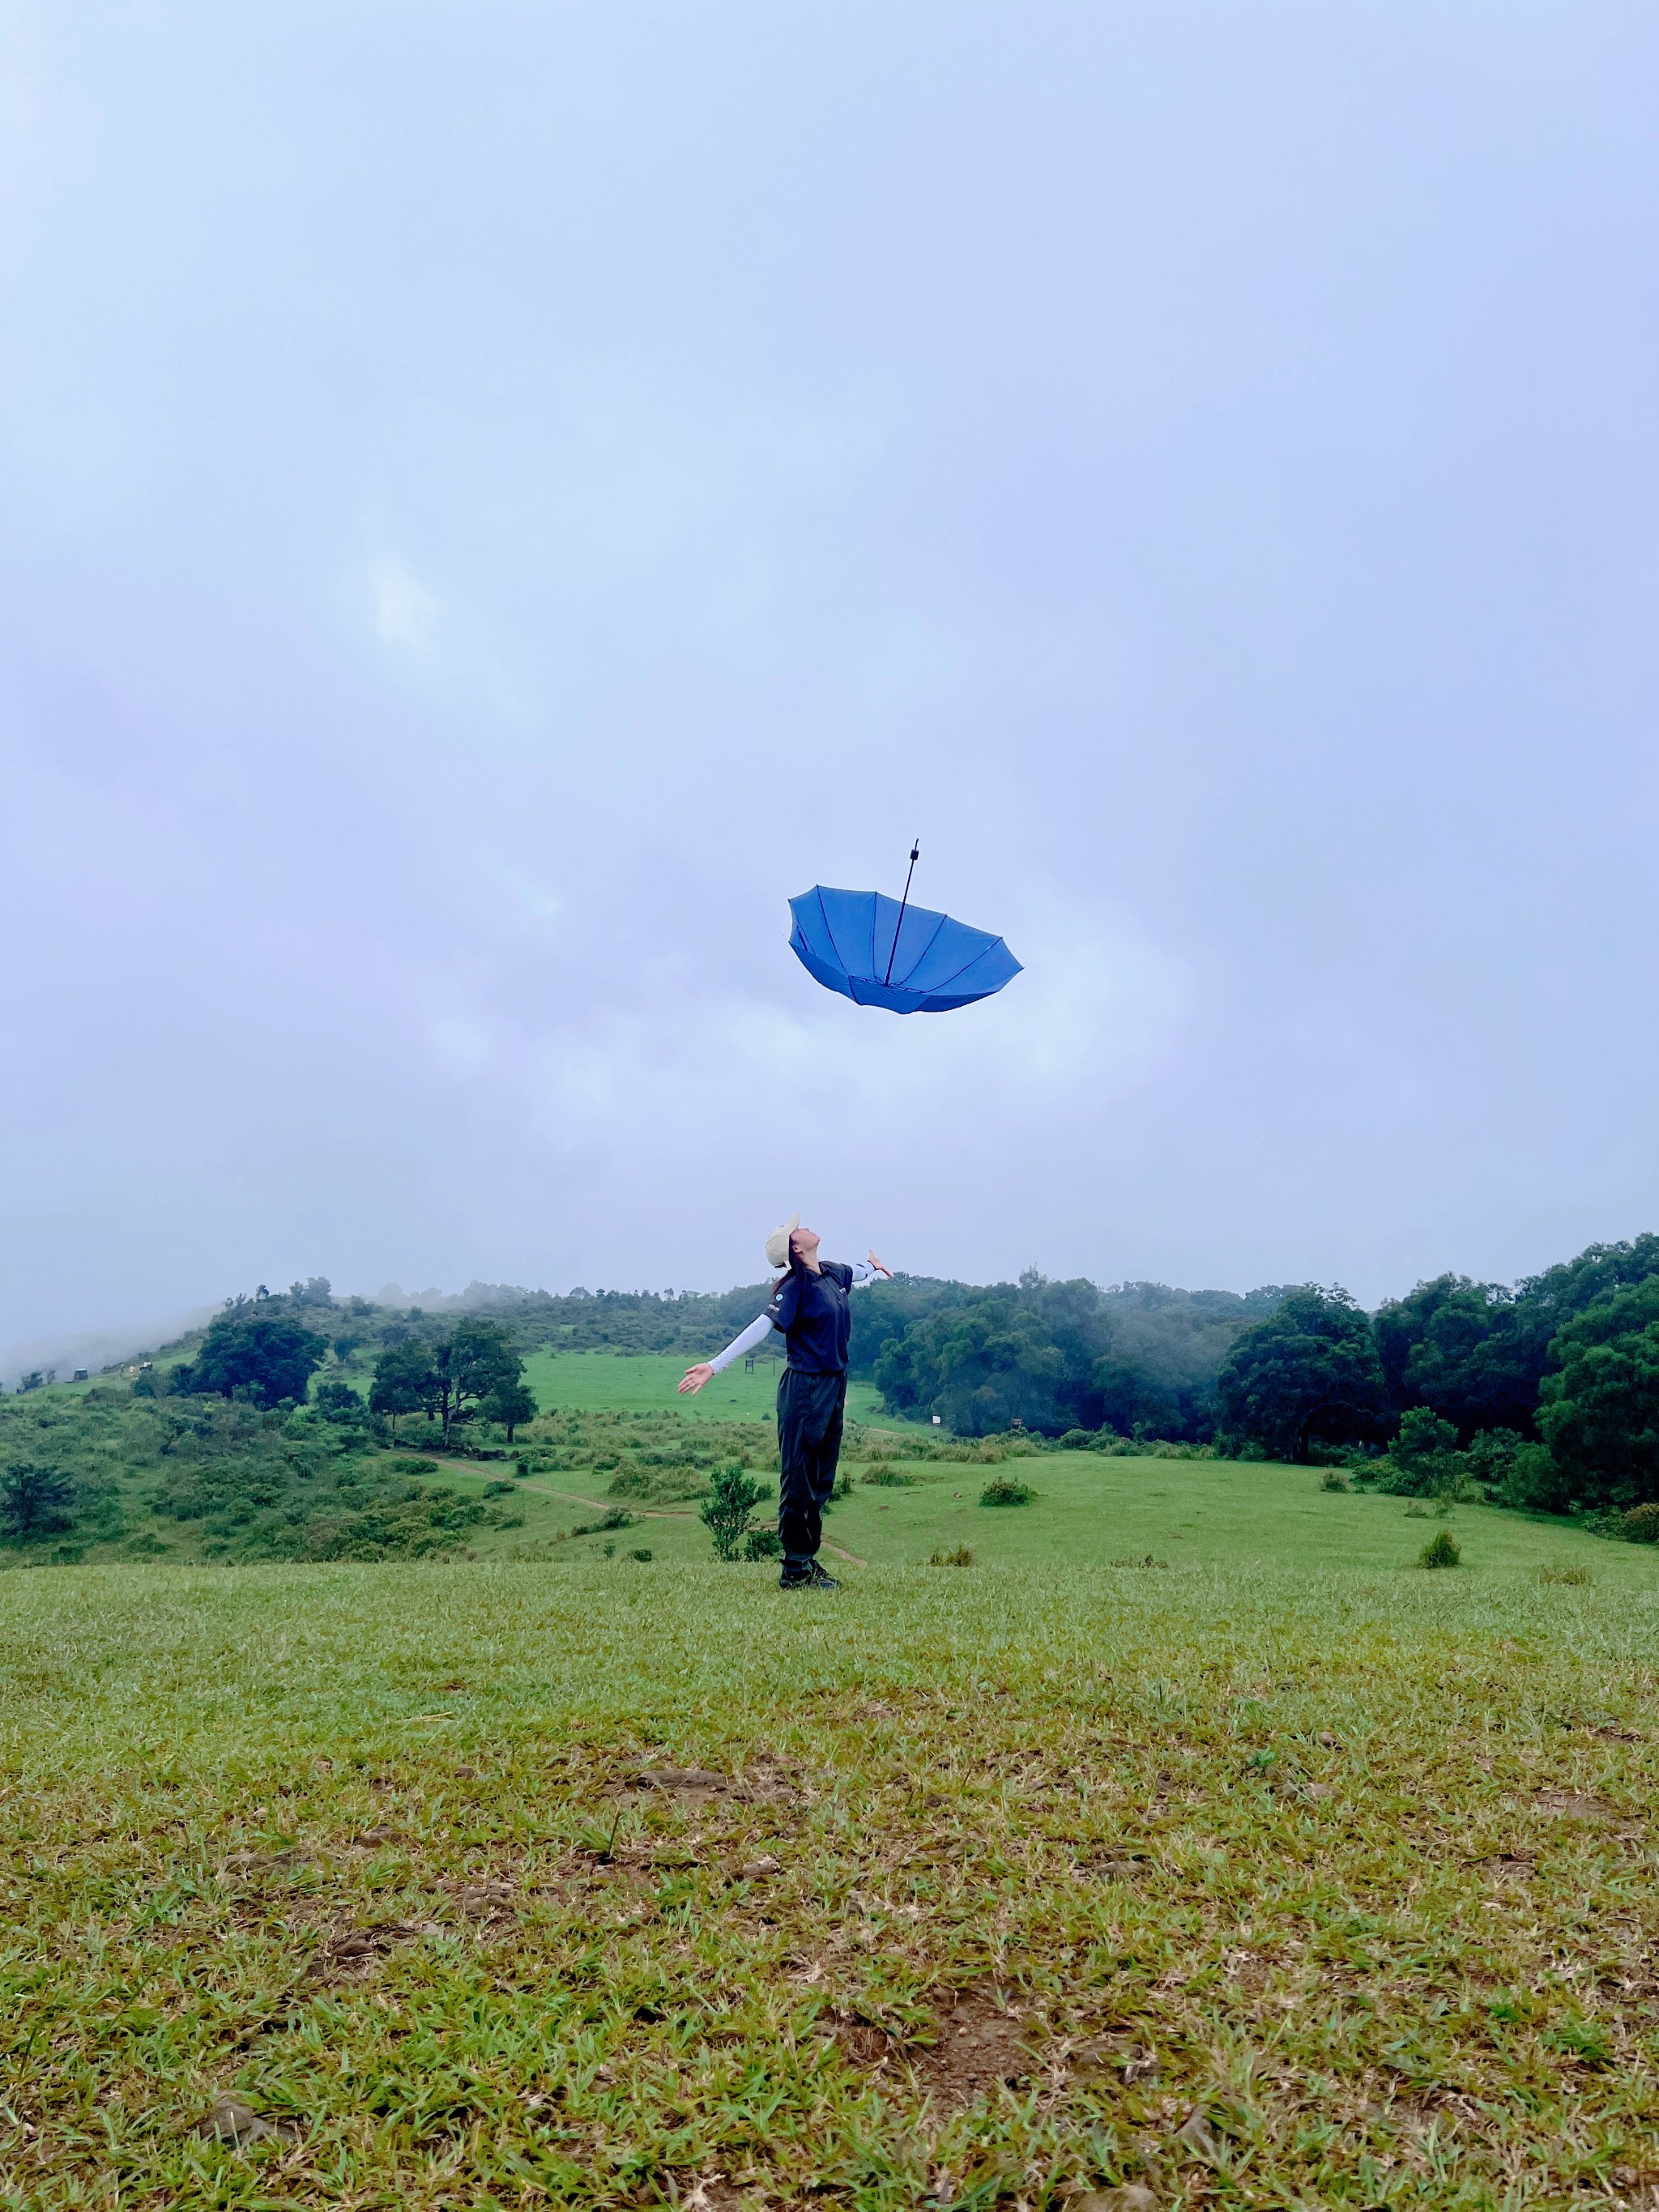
<point>474,1362</point>
<point>509,1403</point>
<point>34,1502</point>
<point>1163,1353</point>
<point>982,1367</point>
<point>1600,1411</point>
<point>405,1382</point>
<point>1309,1372</point>
<point>1473,1353</point>
<point>253,1353</point>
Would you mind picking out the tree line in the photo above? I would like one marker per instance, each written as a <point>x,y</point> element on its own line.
<point>265,1351</point>
<point>1545,1391</point>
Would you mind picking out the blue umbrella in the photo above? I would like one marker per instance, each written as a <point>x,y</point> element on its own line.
<point>880,951</point>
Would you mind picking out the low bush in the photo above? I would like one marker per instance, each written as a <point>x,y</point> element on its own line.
<point>762,1544</point>
<point>1006,1490</point>
<point>1332,1480</point>
<point>643,1554</point>
<point>618,1517</point>
<point>1439,1552</point>
<point>962,1557</point>
<point>407,1463</point>
<point>1577,1575</point>
<point>658,1486</point>
<point>887,1477</point>
<point>1640,1525</point>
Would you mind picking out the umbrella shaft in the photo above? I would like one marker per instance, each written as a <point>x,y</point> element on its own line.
<point>899,924</point>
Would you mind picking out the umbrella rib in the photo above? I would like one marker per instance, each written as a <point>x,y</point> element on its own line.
<point>925,951</point>
<point>829,930</point>
<point>967,965</point>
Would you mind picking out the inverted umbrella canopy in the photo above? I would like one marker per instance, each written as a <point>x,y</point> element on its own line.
<point>882,951</point>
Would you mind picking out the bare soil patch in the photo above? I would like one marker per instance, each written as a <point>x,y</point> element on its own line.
<point>981,2044</point>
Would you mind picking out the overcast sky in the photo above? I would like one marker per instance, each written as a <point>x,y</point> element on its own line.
<point>496,498</point>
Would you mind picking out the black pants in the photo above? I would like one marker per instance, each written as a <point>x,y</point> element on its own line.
<point>810,1408</point>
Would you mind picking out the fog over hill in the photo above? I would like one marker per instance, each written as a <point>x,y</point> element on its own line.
<point>94,1348</point>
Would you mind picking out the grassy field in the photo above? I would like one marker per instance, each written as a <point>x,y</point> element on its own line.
<point>645,1383</point>
<point>1089,1510</point>
<point>1095,1512</point>
<point>1252,1887</point>
<point>1191,1839</point>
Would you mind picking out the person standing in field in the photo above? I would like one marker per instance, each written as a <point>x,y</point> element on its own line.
<point>810,1307</point>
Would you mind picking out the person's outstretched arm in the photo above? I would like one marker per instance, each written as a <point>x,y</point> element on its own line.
<point>866,1271</point>
<point>706,1370</point>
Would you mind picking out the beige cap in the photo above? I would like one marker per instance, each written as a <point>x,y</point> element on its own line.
<point>777,1244</point>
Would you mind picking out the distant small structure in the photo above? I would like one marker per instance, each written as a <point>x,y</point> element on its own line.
<point>80,1375</point>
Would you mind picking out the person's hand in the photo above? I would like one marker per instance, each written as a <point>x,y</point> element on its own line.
<point>694,1378</point>
<point>879,1268</point>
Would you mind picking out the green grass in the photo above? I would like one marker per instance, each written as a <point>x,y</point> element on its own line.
<point>645,1383</point>
<point>1359,1866</point>
<point>1090,1511</point>
<point>1046,1854</point>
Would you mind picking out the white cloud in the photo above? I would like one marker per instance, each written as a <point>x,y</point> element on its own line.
<point>404,611</point>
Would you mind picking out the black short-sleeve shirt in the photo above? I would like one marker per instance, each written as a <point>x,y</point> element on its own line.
<point>815,1313</point>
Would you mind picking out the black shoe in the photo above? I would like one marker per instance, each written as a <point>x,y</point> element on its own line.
<point>815,1578</point>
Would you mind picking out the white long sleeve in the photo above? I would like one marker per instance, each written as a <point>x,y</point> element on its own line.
<point>757,1333</point>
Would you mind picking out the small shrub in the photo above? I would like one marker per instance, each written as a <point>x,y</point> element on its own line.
<point>1006,1490</point>
<point>887,1477</point>
<point>1490,1458</point>
<point>1417,1511</point>
<point>1439,1552</point>
<point>618,1517</point>
<point>654,1486</point>
<point>406,1463</point>
<point>962,1557</point>
<point>733,1496</point>
<point>1332,1480</point>
<point>1577,1575</point>
<point>1149,1561</point>
<point>1080,1440</point>
<point>643,1554</point>
<point>1640,1525</point>
<point>762,1544</point>
<point>498,1490</point>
